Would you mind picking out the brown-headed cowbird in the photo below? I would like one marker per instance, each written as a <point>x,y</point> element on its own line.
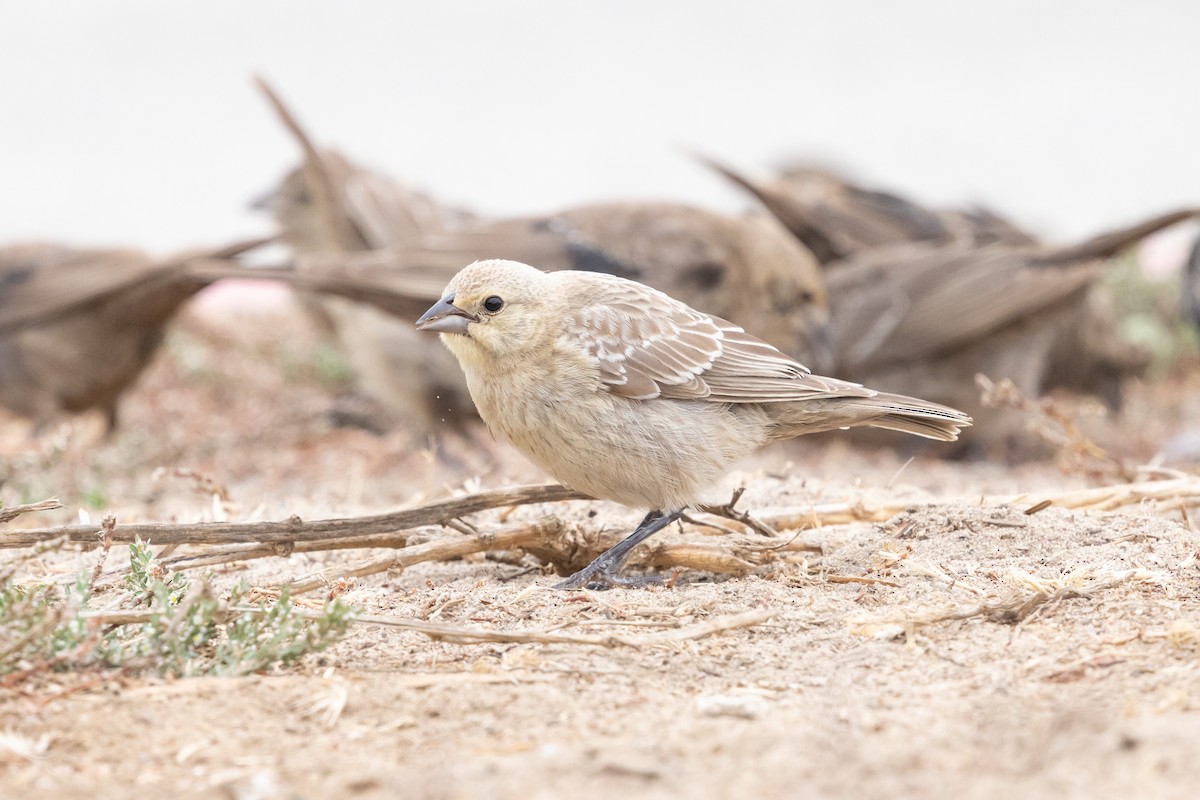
<point>409,381</point>
<point>78,326</point>
<point>625,393</point>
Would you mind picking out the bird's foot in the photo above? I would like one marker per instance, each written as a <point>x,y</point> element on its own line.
<point>604,572</point>
<point>600,579</point>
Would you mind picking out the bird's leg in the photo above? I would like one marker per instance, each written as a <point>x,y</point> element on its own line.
<point>605,571</point>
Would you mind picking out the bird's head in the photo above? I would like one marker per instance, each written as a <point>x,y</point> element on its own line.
<point>491,309</point>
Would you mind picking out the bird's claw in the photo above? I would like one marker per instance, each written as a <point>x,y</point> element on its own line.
<point>600,578</point>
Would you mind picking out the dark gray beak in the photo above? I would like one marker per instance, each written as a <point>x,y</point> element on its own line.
<point>445,317</point>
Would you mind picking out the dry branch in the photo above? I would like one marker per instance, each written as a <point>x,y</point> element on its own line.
<point>12,512</point>
<point>546,529</point>
<point>548,539</point>
<point>296,529</point>
<point>461,635</point>
<point>1054,425</point>
<point>824,514</point>
<point>710,557</point>
<point>212,556</point>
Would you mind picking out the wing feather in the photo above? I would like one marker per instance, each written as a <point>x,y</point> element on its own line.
<point>646,344</point>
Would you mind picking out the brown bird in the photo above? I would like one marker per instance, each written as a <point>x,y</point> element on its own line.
<point>923,299</point>
<point>625,393</point>
<point>929,317</point>
<point>330,206</point>
<point>78,326</point>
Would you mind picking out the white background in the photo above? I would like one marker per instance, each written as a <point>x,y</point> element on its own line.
<point>135,122</point>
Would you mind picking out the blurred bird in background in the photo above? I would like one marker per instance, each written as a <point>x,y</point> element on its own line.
<point>78,326</point>
<point>848,279</point>
<point>923,300</point>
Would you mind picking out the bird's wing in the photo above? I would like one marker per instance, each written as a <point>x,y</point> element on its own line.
<point>920,300</point>
<point>647,345</point>
<point>42,282</point>
<point>916,300</point>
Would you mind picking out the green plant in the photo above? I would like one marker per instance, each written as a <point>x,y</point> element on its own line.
<point>331,367</point>
<point>184,629</point>
<point>145,576</point>
<point>257,639</point>
<point>40,624</point>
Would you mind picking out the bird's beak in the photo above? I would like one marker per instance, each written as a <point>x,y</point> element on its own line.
<point>445,317</point>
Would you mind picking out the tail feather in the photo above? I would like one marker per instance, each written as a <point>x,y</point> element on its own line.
<point>918,417</point>
<point>943,430</point>
<point>890,411</point>
<point>1109,243</point>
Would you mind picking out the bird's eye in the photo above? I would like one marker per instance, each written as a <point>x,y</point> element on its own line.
<point>493,304</point>
<point>807,297</point>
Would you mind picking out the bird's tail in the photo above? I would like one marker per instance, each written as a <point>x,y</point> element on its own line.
<point>918,417</point>
<point>787,211</point>
<point>1109,243</point>
<point>894,412</point>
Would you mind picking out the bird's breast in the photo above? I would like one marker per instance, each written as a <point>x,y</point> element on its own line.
<point>661,454</point>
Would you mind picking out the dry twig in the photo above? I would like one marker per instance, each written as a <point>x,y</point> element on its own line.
<point>296,529</point>
<point>12,512</point>
<point>1055,425</point>
<point>548,539</point>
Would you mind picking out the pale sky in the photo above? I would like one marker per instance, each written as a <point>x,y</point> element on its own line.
<point>134,122</point>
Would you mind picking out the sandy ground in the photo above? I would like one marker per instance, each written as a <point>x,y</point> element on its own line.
<point>958,650</point>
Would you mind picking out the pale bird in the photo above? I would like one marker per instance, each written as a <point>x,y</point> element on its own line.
<point>620,391</point>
